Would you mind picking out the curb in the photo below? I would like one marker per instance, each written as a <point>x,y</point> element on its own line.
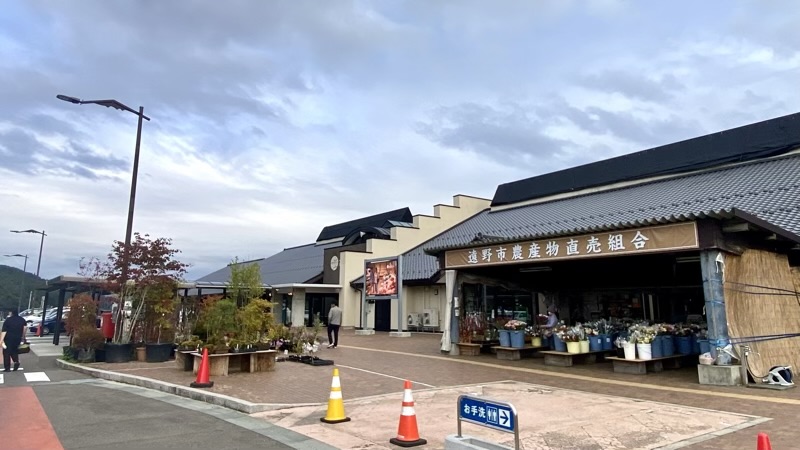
<point>182,391</point>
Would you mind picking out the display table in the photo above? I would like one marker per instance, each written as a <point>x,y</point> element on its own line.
<point>514,354</point>
<point>642,366</point>
<point>220,364</point>
<point>565,359</point>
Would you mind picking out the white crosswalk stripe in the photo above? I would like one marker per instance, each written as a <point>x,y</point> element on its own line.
<point>36,376</point>
<point>2,378</point>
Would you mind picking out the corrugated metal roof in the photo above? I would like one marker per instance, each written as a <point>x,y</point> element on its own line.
<point>292,265</point>
<point>768,189</point>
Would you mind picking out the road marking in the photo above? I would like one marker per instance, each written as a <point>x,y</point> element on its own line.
<point>36,376</point>
<point>385,375</point>
<point>1,378</point>
<point>571,376</point>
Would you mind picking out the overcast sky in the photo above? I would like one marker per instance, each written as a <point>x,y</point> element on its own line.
<point>273,119</point>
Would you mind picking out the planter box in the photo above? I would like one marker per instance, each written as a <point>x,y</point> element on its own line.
<point>157,352</point>
<point>468,349</point>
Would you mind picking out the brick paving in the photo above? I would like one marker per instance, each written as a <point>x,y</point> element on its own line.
<point>376,365</point>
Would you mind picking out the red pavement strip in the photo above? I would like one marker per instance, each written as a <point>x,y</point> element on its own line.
<point>23,422</point>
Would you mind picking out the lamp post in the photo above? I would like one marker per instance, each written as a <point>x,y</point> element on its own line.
<point>22,281</point>
<point>140,114</point>
<point>41,245</point>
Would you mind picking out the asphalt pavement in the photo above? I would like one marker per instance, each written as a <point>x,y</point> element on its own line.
<point>88,413</point>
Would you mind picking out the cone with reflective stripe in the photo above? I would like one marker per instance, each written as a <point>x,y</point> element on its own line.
<point>203,373</point>
<point>763,442</point>
<point>407,432</point>
<point>335,412</point>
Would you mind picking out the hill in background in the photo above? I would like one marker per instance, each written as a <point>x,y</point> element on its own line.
<point>10,278</point>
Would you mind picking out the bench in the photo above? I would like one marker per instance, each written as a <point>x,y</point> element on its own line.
<point>642,366</point>
<point>566,359</point>
<point>513,353</point>
<point>219,364</point>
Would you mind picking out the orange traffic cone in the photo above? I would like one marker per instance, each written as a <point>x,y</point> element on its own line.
<point>202,373</point>
<point>763,442</point>
<point>407,432</point>
<point>335,412</point>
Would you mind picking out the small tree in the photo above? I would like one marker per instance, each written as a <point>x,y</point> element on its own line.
<point>82,313</point>
<point>150,269</point>
<point>244,283</point>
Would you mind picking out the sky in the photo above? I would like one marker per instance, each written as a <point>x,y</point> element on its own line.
<point>271,120</point>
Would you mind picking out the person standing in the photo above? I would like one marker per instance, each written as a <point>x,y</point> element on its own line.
<point>11,336</point>
<point>334,322</point>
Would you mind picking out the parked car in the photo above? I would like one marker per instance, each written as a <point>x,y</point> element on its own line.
<point>49,324</point>
<point>31,315</point>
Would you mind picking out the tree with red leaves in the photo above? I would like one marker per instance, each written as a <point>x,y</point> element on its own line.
<point>152,275</point>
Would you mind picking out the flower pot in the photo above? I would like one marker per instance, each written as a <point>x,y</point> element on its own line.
<point>467,349</point>
<point>657,346</point>
<point>118,353</point>
<point>559,345</point>
<point>608,343</point>
<point>86,356</point>
<point>684,345</point>
<point>630,350</point>
<point>505,338</point>
<point>668,345</point>
<point>705,347</point>
<point>536,341</point>
<point>584,346</point>
<point>595,343</point>
<point>141,354</point>
<point>573,347</point>
<point>517,339</point>
<point>645,351</point>
<point>157,352</point>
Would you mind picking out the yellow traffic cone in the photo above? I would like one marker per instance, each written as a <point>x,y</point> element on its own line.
<point>335,412</point>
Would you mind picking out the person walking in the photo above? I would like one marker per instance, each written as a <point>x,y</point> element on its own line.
<point>12,335</point>
<point>334,322</point>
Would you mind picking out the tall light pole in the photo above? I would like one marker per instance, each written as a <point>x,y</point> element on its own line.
<point>118,105</point>
<point>22,281</point>
<point>41,245</point>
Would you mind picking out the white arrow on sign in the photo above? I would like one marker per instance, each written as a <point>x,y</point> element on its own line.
<point>505,417</point>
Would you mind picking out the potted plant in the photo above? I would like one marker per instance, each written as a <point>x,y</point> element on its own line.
<point>516,329</point>
<point>572,340</point>
<point>535,333</point>
<point>468,327</point>
<point>159,324</point>
<point>86,340</point>
<point>83,314</point>
<point>132,271</point>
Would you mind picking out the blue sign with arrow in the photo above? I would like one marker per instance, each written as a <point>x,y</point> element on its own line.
<point>489,413</point>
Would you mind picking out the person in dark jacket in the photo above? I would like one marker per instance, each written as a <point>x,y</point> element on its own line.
<point>12,335</point>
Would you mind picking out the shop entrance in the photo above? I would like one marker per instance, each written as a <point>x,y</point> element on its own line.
<point>319,304</point>
<point>383,315</point>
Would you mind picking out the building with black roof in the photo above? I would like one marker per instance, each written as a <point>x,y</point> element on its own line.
<point>644,236</point>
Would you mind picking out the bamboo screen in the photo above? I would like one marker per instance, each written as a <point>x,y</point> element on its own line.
<point>761,299</point>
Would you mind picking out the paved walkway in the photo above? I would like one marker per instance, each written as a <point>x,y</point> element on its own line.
<point>376,365</point>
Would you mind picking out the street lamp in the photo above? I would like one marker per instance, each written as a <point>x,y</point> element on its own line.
<point>41,245</point>
<point>21,283</point>
<point>117,105</point>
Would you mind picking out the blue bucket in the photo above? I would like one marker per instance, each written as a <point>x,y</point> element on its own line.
<point>595,343</point>
<point>608,343</point>
<point>705,347</point>
<point>505,338</point>
<point>695,345</point>
<point>657,347</point>
<point>559,345</point>
<point>684,345</point>
<point>668,345</point>
<point>517,339</point>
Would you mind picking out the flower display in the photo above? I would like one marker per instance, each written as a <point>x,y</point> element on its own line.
<point>514,324</point>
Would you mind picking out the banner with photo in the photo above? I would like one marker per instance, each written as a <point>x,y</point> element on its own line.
<point>381,278</point>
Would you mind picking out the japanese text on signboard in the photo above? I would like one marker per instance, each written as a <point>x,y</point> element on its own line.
<point>642,240</point>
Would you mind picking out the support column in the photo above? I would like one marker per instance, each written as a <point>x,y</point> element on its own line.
<point>712,266</point>
<point>401,320</point>
<point>62,293</point>
<point>450,331</point>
